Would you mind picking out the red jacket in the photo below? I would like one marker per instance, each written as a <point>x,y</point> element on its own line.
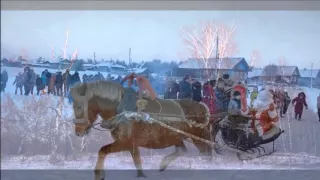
<point>208,97</point>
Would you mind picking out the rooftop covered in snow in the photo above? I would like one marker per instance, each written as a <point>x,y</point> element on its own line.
<point>223,63</point>
<point>308,73</point>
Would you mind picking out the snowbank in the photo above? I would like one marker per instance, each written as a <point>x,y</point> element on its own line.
<point>312,94</point>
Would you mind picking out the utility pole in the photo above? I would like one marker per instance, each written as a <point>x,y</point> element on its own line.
<point>311,74</point>
<point>217,56</point>
<point>94,57</point>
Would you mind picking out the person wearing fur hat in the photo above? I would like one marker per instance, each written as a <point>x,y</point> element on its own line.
<point>236,115</point>
<point>234,107</point>
<point>227,80</point>
<point>185,88</point>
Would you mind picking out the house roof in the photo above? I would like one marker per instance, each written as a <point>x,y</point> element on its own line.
<point>283,71</point>
<point>137,70</point>
<point>195,63</point>
<point>109,64</point>
<point>255,72</point>
<point>308,73</point>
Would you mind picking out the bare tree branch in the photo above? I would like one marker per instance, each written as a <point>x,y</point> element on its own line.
<point>201,42</point>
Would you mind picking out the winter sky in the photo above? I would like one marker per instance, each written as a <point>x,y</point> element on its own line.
<point>156,34</point>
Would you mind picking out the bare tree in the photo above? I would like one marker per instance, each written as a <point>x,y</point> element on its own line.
<point>270,70</point>
<point>201,42</point>
<point>33,122</point>
<point>282,62</point>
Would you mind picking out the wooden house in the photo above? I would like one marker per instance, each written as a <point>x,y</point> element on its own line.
<point>237,68</point>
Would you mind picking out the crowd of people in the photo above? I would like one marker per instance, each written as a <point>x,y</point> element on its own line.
<point>215,93</point>
<point>56,83</point>
<point>218,93</point>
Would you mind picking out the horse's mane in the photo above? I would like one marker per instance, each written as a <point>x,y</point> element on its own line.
<point>104,89</point>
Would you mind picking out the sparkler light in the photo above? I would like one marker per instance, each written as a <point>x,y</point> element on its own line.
<point>201,42</point>
<point>74,55</point>
<point>282,62</point>
<point>52,51</point>
<point>255,56</point>
<point>66,45</point>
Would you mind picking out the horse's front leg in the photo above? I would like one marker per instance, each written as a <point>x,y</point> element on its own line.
<point>135,153</point>
<point>114,147</point>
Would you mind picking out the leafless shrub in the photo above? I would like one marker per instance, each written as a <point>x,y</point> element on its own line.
<point>40,126</point>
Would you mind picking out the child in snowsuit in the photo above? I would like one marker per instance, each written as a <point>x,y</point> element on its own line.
<point>298,103</point>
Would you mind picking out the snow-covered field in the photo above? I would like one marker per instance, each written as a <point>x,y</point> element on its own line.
<point>298,147</point>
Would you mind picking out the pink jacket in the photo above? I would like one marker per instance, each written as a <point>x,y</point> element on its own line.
<point>318,101</point>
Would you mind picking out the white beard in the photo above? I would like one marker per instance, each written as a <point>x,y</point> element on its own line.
<point>263,100</point>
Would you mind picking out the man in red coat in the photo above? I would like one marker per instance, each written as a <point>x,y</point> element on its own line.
<point>298,104</point>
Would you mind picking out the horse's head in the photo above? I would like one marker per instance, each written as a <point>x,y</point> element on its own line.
<point>91,99</point>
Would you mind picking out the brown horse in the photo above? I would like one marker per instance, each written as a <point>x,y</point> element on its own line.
<point>103,97</point>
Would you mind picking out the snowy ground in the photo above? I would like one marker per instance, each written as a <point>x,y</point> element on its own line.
<point>298,148</point>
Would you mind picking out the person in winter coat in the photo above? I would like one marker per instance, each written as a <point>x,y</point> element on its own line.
<point>318,106</point>
<point>67,80</point>
<point>253,96</point>
<point>4,80</point>
<point>39,84</point>
<point>27,80</point>
<point>287,101</point>
<point>75,78</point>
<point>221,98</point>
<point>58,83</point>
<point>44,78</point>
<point>280,97</point>
<point>171,89</point>
<point>208,95</point>
<point>185,88</point>
<point>196,91</point>
<point>51,87</point>
<point>85,78</point>
<point>19,83</point>
<point>48,75</point>
<point>33,79</point>
<point>298,104</point>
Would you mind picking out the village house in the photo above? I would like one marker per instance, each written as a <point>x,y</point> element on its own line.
<point>237,68</point>
<point>308,76</point>
<point>139,71</point>
<point>108,67</point>
<point>254,75</point>
<point>87,66</point>
<point>63,64</point>
<point>281,74</point>
<point>277,74</point>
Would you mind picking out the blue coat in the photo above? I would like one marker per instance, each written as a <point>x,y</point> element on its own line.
<point>221,99</point>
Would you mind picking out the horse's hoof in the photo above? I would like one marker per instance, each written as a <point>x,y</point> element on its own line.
<point>162,168</point>
<point>141,176</point>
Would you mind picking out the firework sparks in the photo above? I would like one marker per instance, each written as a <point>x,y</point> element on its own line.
<point>52,51</point>
<point>66,45</point>
<point>282,62</point>
<point>255,56</point>
<point>201,42</point>
<point>74,55</point>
